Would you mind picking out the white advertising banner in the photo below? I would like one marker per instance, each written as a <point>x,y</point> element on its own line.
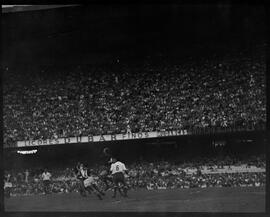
<point>101,138</point>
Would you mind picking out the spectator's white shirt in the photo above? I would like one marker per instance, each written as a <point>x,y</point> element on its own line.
<point>118,167</point>
<point>46,176</point>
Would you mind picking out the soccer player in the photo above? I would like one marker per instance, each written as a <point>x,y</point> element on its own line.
<point>79,176</point>
<point>104,177</point>
<point>118,169</point>
<point>89,182</point>
<point>46,177</point>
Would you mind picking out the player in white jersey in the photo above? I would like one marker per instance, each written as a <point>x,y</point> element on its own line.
<point>46,177</point>
<point>118,169</point>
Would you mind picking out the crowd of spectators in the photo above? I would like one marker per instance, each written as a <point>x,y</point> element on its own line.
<point>199,173</point>
<point>50,102</point>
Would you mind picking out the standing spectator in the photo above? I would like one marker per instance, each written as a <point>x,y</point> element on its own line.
<point>128,129</point>
<point>7,185</point>
<point>46,178</point>
<point>26,173</point>
<point>20,177</point>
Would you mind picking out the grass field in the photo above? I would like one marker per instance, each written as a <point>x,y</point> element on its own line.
<point>247,199</point>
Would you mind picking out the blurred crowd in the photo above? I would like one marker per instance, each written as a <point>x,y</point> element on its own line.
<point>199,173</point>
<point>30,181</point>
<point>207,92</point>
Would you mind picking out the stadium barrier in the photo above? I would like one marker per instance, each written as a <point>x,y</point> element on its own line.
<point>140,135</point>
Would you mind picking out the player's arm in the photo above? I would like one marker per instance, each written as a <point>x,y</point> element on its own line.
<point>75,171</point>
<point>111,168</point>
<point>125,169</point>
<point>78,174</point>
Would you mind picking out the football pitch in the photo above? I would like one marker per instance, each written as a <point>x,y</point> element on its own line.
<point>246,199</point>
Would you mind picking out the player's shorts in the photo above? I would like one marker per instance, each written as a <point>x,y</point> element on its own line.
<point>46,182</point>
<point>118,177</point>
<point>89,181</point>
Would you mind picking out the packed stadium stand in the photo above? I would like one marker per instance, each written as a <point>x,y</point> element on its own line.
<point>217,91</point>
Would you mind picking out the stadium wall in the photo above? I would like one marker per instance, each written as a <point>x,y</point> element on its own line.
<point>155,149</point>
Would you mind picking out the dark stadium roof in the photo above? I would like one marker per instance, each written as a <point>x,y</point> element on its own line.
<point>21,8</point>
<point>67,32</point>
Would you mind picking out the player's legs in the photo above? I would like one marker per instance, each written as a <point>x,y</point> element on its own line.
<point>94,186</point>
<point>108,180</point>
<point>49,187</point>
<point>105,180</point>
<point>115,187</point>
<point>124,184</point>
<point>90,186</point>
<point>117,178</point>
<point>46,186</point>
<point>125,187</point>
<point>90,189</point>
<point>121,189</point>
<point>82,189</point>
<point>82,192</point>
<point>7,192</point>
<point>87,185</point>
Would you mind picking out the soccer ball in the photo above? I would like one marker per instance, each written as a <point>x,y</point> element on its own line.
<point>107,152</point>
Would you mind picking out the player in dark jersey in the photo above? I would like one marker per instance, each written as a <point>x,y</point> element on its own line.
<point>90,181</point>
<point>104,175</point>
<point>79,176</point>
